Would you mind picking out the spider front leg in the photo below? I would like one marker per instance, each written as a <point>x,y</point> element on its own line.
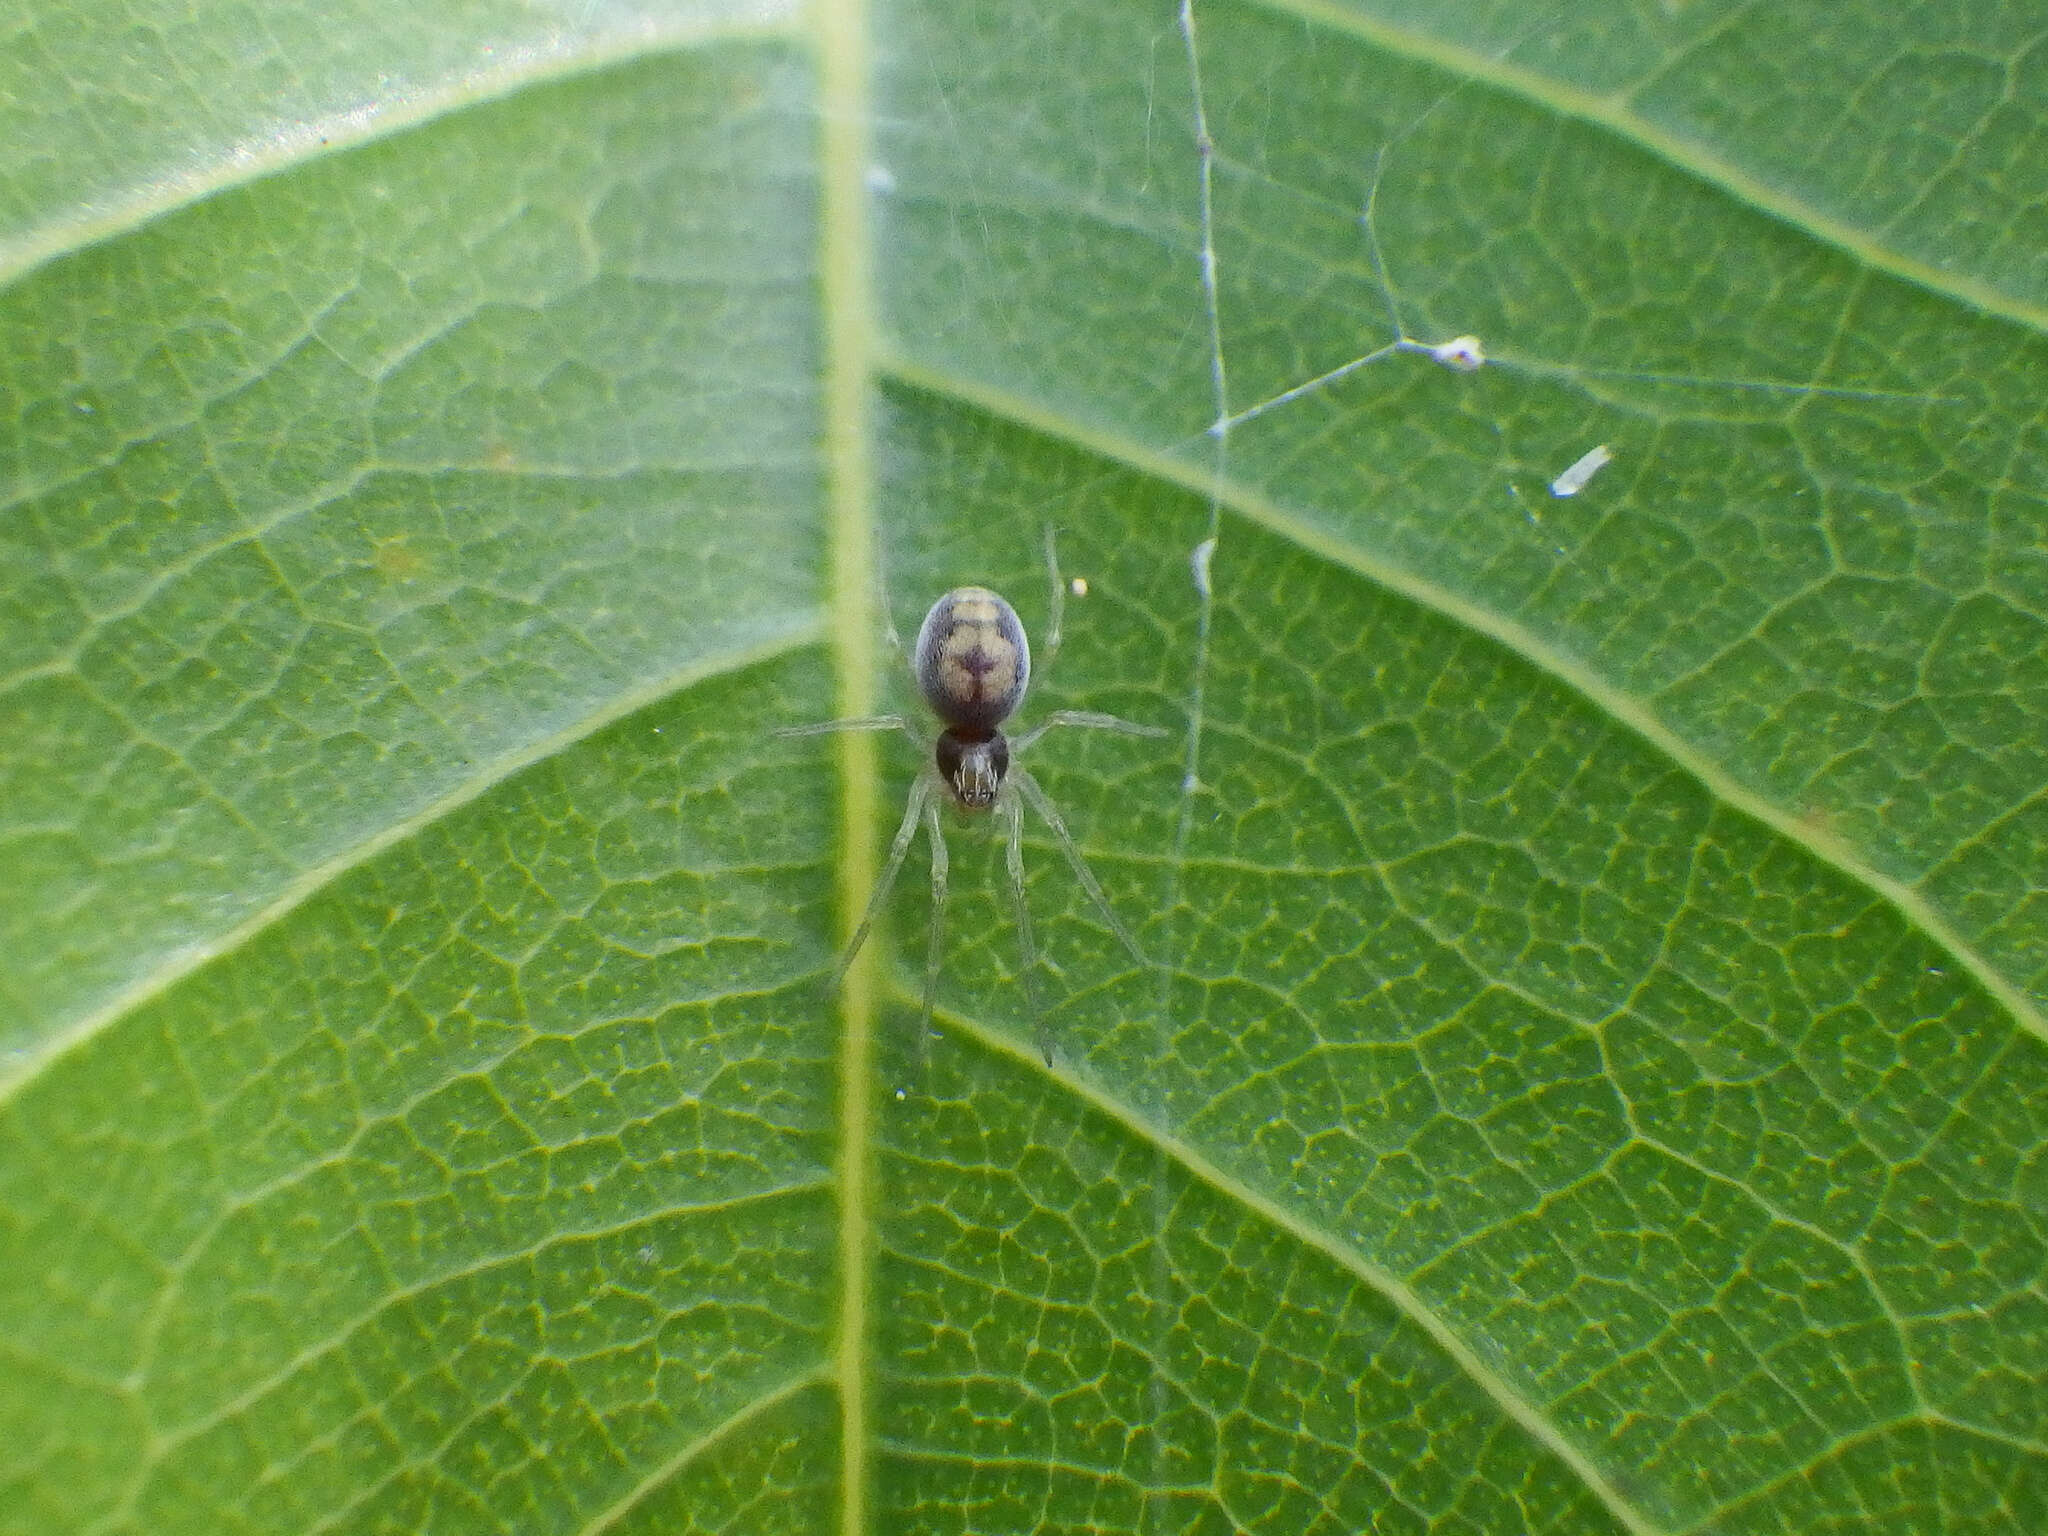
<point>856,723</point>
<point>1055,610</point>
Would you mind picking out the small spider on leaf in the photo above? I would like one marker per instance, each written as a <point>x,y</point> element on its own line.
<point>972,663</point>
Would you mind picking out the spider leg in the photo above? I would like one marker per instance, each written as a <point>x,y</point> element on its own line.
<point>1083,717</point>
<point>889,618</point>
<point>857,723</point>
<point>1057,610</point>
<point>920,796</point>
<point>1042,804</point>
<point>938,940</point>
<point>1013,810</point>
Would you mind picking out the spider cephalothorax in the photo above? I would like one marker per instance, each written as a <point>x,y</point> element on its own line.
<point>973,770</point>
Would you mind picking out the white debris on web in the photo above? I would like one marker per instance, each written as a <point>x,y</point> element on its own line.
<point>1078,586</point>
<point>1198,561</point>
<point>881,180</point>
<point>1461,354</point>
<point>1584,468</point>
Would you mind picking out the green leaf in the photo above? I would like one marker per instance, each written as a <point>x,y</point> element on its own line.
<point>1592,1071</point>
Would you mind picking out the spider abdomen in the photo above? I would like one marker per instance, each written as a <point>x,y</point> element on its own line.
<point>973,661</point>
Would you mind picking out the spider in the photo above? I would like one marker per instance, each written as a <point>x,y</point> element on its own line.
<point>972,663</point>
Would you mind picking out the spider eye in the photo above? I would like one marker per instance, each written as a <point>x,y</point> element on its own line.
<point>973,661</point>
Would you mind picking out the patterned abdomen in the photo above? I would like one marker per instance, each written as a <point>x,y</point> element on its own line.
<point>973,661</point>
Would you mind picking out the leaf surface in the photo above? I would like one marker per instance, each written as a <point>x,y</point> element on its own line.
<point>1590,1072</point>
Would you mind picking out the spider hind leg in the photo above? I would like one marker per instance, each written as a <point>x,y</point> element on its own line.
<point>913,812</point>
<point>936,835</point>
<point>1042,803</point>
<point>1013,811</point>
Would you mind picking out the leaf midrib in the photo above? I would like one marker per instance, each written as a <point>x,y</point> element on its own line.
<point>849,296</point>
